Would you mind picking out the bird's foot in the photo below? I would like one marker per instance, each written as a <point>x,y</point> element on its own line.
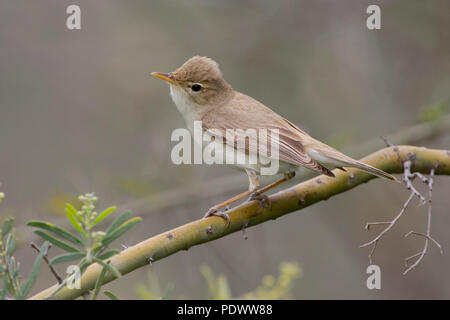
<point>214,211</point>
<point>263,199</point>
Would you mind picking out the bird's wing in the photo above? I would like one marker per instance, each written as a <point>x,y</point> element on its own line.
<point>224,123</point>
<point>327,152</point>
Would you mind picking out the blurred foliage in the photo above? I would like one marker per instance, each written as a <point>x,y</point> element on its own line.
<point>272,288</point>
<point>56,203</point>
<point>342,139</point>
<point>11,284</point>
<point>86,245</point>
<point>152,291</point>
<point>136,188</point>
<point>435,111</point>
<point>217,285</point>
<point>218,288</point>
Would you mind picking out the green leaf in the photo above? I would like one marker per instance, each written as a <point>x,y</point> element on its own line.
<point>7,225</point>
<point>67,257</point>
<point>108,254</point>
<point>34,271</point>
<point>119,220</point>
<point>109,267</point>
<point>99,282</point>
<point>12,267</point>
<point>104,214</point>
<point>4,288</point>
<point>55,241</point>
<point>110,295</point>
<point>84,264</point>
<point>124,227</point>
<point>56,230</point>
<point>167,292</point>
<point>10,244</point>
<point>72,215</point>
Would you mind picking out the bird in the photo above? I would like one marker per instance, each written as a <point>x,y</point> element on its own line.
<point>201,93</point>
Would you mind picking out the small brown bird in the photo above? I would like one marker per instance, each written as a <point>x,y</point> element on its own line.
<point>201,94</point>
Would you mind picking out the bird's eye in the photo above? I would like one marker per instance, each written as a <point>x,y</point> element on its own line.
<point>196,87</point>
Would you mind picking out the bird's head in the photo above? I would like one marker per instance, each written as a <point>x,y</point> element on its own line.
<point>199,79</point>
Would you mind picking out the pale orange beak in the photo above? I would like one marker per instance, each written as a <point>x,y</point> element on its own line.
<point>166,77</point>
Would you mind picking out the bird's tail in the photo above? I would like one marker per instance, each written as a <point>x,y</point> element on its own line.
<point>333,158</point>
<point>372,170</point>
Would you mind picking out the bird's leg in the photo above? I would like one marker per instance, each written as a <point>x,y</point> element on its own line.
<point>253,186</point>
<point>265,200</point>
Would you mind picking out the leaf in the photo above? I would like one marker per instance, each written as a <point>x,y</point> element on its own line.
<point>10,244</point>
<point>104,214</point>
<point>12,267</point>
<point>4,288</point>
<point>108,254</point>
<point>72,214</point>
<point>67,257</point>
<point>110,295</point>
<point>124,227</point>
<point>84,265</point>
<point>99,282</point>
<point>7,225</point>
<point>34,271</point>
<point>167,292</point>
<point>55,241</point>
<point>56,230</point>
<point>109,267</point>
<point>119,220</point>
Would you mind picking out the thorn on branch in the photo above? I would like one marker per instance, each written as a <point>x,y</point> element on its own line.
<point>243,231</point>
<point>351,178</point>
<point>388,143</point>
<point>45,257</point>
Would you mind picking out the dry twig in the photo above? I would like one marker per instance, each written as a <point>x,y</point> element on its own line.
<point>45,257</point>
<point>427,235</point>
<point>408,178</point>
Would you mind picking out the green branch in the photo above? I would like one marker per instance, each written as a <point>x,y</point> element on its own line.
<point>251,213</point>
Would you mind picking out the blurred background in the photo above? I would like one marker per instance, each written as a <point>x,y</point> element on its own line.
<point>79,112</point>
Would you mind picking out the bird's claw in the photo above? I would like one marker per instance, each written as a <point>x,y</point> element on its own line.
<point>263,199</point>
<point>215,212</point>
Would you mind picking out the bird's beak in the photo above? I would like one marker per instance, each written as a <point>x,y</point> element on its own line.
<point>166,77</point>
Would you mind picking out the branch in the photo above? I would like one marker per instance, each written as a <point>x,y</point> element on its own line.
<point>176,197</point>
<point>249,214</point>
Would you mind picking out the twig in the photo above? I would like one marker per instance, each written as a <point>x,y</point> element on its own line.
<point>45,257</point>
<point>426,236</point>
<point>375,241</point>
<point>408,178</point>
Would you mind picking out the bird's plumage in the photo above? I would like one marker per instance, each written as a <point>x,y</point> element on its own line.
<point>256,116</point>
<point>219,108</point>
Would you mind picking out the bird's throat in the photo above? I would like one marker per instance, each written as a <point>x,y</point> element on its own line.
<point>190,110</point>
